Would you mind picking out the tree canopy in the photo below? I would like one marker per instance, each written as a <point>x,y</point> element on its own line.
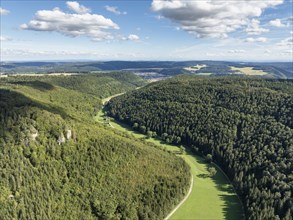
<point>57,163</point>
<point>242,124</point>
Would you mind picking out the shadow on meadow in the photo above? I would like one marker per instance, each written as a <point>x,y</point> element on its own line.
<point>232,205</point>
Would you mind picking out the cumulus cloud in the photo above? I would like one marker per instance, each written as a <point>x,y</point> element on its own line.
<point>256,40</point>
<point>76,7</point>
<point>213,18</point>
<point>133,37</point>
<point>4,11</point>
<point>115,10</point>
<point>254,28</point>
<point>277,23</point>
<point>93,26</point>
<point>4,38</point>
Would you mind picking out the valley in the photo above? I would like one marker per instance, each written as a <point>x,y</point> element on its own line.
<point>146,110</point>
<point>242,124</point>
<point>207,192</point>
<point>154,147</point>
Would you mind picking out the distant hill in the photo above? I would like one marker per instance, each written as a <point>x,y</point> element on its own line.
<point>158,69</point>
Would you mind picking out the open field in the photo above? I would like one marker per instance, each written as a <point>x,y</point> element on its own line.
<point>248,71</point>
<point>211,197</point>
<point>44,74</point>
<point>194,68</point>
<point>204,74</point>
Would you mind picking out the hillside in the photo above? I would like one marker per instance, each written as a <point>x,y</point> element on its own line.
<point>242,124</point>
<point>157,69</point>
<point>57,163</point>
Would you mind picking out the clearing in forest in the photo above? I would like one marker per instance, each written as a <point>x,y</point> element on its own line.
<point>248,71</point>
<point>195,68</point>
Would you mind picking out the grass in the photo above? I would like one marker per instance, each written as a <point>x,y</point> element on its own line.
<point>194,68</point>
<point>211,197</point>
<point>248,71</point>
<point>204,74</point>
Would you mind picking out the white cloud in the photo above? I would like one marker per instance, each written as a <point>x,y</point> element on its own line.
<point>253,28</point>
<point>256,40</point>
<point>133,37</point>
<point>277,23</point>
<point>213,18</point>
<point>236,51</point>
<point>76,7</point>
<point>288,42</point>
<point>115,10</point>
<point>93,26</point>
<point>4,11</point>
<point>4,38</point>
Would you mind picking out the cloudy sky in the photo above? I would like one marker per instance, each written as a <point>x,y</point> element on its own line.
<point>236,30</point>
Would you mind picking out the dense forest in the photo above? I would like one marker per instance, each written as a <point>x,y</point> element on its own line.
<point>243,124</point>
<point>57,163</point>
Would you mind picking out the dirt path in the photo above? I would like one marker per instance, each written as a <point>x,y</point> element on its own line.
<point>183,200</point>
<point>110,97</point>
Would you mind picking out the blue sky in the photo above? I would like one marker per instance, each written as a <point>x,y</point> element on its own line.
<point>259,30</point>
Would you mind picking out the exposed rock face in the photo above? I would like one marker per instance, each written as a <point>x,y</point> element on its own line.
<point>68,134</point>
<point>34,135</point>
<point>61,139</point>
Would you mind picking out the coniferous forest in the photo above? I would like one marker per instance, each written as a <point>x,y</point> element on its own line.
<point>243,124</point>
<point>57,163</point>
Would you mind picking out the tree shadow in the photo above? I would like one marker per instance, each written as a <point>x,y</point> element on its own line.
<point>42,86</point>
<point>232,205</point>
<point>204,176</point>
<point>11,99</point>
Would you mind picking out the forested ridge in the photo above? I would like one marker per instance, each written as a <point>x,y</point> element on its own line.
<point>242,124</point>
<point>56,163</point>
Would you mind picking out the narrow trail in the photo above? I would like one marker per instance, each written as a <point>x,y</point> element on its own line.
<point>110,97</point>
<point>183,200</point>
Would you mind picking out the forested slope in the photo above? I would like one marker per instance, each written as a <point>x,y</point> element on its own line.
<point>244,124</point>
<point>56,163</point>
